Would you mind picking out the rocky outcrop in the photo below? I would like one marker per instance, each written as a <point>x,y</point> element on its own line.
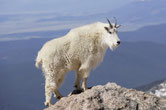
<point>110,97</point>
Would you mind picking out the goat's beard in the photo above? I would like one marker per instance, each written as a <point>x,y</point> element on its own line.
<point>110,44</point>
<point>113,47</point>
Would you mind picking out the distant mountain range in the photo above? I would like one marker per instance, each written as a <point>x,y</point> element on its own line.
<point>152,33</point>
<point>31,35</point>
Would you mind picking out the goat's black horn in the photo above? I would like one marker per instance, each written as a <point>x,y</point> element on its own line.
<point>109,23</point>
<point>115,21</point>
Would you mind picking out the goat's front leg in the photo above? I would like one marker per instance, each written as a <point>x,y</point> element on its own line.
<point>78,79</point>
<point>57,94</point>
<point>84,83</point>
<point>85,71</point>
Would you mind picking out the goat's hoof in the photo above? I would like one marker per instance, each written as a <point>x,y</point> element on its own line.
<point>47,104</point>
<point>84,89</point>
<point>76,86</point>
<point>59,97</point>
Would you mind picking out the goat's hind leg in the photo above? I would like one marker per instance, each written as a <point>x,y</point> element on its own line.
<point>59,81</point>
<point>49,88</point>
<point>78,79</point>
<point>50,84</point>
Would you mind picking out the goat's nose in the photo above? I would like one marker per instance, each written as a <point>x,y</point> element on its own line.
<point>118,42</point>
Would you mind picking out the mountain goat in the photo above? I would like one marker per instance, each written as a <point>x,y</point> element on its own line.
<point>82,49</point>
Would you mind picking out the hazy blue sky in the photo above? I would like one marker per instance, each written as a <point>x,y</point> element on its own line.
<point>61,6</point>
<point>50,9</point>
<point>44,15</point>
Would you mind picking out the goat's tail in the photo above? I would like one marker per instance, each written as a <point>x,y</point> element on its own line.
<point>38,62</point>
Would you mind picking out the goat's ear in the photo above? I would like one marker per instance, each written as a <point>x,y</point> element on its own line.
<point>118,26</point>
<point>106,28</point>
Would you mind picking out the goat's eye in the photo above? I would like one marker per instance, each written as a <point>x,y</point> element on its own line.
<point>110,32</point>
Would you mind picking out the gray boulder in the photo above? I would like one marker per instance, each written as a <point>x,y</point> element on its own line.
<point>110,97</point>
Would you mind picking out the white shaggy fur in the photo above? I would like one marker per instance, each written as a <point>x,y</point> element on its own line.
<point>82,49</point>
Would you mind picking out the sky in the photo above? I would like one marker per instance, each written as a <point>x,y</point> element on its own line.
<point>31,15</point>
<point>60,6</point>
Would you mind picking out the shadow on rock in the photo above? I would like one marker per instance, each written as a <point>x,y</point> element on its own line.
<point>78,91</point>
